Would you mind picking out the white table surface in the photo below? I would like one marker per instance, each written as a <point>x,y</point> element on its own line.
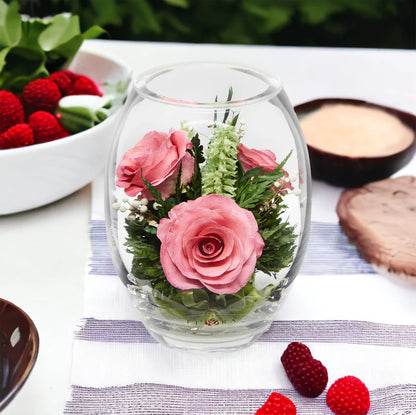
<point>44,252</point>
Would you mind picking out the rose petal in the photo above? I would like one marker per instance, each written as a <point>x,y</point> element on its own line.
<point>157,157</point>
<point>230,233</point>
<point>238,283</point>
<point>176,278</point>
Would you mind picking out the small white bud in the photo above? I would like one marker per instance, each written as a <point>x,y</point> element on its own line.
<point>144,201</point>
<point>141,217</point>
<point>135,203</point>
<point>122,209</point>
<point>156,206</point>
<point>125,199</point>
<point>143,209</point>
<point>297,192</point>
<point>293,177</point>
<point>131,216</point>
<point>273,206</point>
<point>153,223</point>
<point>116,205</point>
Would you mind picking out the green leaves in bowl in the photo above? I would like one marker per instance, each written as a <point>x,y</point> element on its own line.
<point>32,48</point>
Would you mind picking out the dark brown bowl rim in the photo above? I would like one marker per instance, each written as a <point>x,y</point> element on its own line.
<point>12,393</point>
<point>366,169</point>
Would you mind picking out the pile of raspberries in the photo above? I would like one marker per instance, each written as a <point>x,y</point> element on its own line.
<point>346,396</point>
<point>30,117</point>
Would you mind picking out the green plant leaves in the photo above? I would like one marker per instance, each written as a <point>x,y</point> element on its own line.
<point>33,48</point>
<point>274,16</point>
<point>20,66</point>
<point>178,3</point>
<point>60,30</point>
<point>10,28</point>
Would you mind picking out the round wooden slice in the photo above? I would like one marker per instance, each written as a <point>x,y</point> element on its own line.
<point>380,219</point>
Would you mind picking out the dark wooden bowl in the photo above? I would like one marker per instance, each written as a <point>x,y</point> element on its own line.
<point>19,345</point>
<point>347,171</point>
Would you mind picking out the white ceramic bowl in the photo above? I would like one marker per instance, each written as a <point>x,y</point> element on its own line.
<point>36,175</point>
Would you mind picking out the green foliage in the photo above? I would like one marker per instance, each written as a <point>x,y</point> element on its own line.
<point>279,241</point>
<point>32,49</point>
<point>193,191</point>
<point>145,247</point>
<point>255,187</point>
<point>219,172</point>
<point>164,205</point>
<point>275,22</point>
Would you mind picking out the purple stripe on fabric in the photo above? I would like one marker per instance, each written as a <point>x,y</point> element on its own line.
<point>318,331</point>
<point>119,331</point>
<point>326,240</point>
<point>100,262</point>
<point>157,399</point>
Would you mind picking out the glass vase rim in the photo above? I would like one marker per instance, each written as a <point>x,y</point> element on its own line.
<point>141,81</point>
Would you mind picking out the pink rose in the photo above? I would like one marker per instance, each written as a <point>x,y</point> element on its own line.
<point>156,157</point>
<point>209,242</point>
<point>251,158</point>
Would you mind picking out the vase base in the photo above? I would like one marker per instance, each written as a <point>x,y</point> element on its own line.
<point>209,340</point>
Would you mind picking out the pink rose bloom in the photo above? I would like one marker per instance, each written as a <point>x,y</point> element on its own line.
<point>209,242</point>
<point>157,157</point>
<point>251,158</point>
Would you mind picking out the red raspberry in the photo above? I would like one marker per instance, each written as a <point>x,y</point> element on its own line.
<point>295,353</point>
<point>308,375</point>
<point>41,95</point>
<point>19,135</point>
<point>84,86</point>
<point>11,110</point>
<point>65,80</point>
<point>72,75</point>
<point>62,80</point>
<point>348,396</point>
<point>46,127</point>
<point>277,404</point>
<point>308,378</point>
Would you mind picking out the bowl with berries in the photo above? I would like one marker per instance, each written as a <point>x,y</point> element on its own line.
<point>57,114</point>
<point>56,134</point>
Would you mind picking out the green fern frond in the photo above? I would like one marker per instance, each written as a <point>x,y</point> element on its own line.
<point>220,171</point>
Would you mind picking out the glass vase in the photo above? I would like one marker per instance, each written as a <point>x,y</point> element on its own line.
<point>207,203</point>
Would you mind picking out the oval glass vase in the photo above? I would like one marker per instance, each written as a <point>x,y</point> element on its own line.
<point>207,203</point>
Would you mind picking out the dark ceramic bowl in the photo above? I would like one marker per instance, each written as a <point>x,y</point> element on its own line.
<point>19,345</point>
<point>347,171</point>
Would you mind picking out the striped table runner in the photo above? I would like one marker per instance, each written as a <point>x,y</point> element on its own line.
<point>355,321</point>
